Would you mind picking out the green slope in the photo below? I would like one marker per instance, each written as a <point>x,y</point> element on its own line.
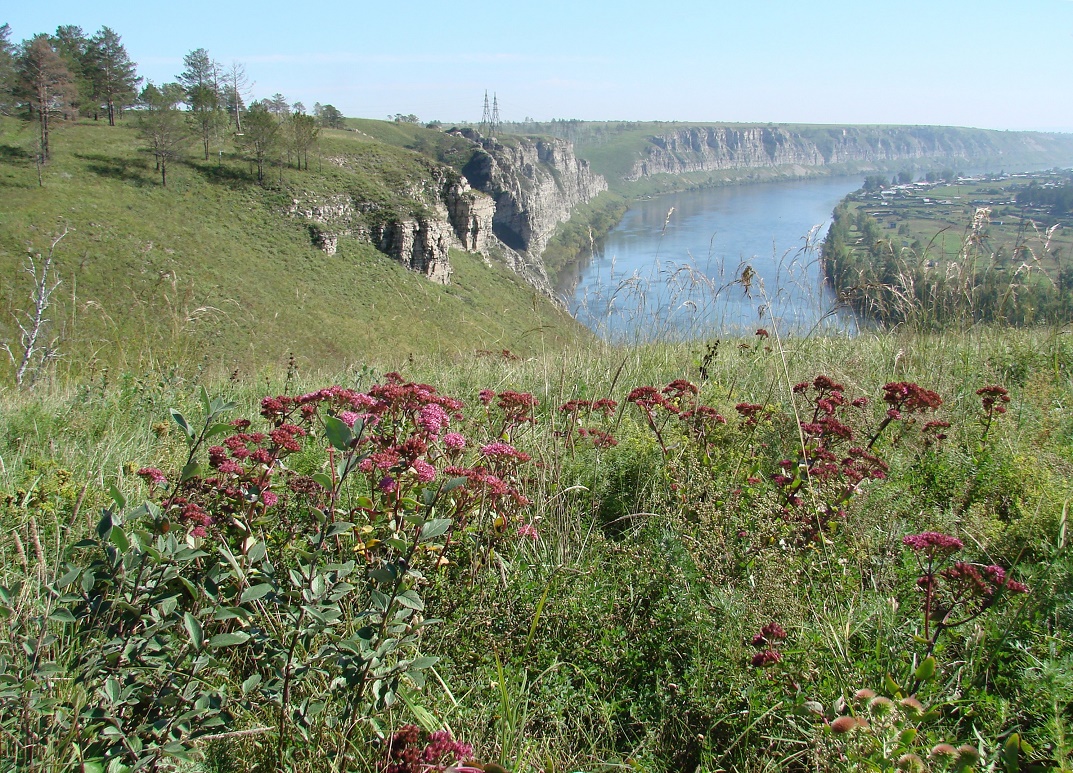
<point>212,268</point>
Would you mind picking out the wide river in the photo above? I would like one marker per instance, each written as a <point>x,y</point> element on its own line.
<point>729,259</point>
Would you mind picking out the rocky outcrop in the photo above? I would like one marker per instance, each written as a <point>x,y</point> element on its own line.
<point>420,244</point>
<point>508,201</point>
<point>712,148</point>
<point>535,182</point>
<point>454,216</point>
<point>471,214</point>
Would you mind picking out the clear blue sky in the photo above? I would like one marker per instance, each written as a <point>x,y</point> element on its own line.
<point>990,64</point>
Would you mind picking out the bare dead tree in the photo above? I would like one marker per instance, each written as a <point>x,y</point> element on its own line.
<point>32,355</point>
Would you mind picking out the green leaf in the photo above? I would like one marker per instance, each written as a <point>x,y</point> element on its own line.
<point>228,639</point>
<point>62,615</point>
<point>183,425</point>
<point>251,684</point>
<point>411,599</point>
<point>1011,753</point>
<point>218,429</point>
<point>256,552</point>
<point>117,496</point>
<point>339,434</point>
<point>891,686</point>
<point>926,670</point>
<point>193,627</point>
<point>205,406</point>
<point>104,527</point>
<point>119,539</point>
<point>340,527</point>
<point>324,479</point>
<point>424,662</point>
<point>453,483</point>
<point>435,528</point>
<point>256,592</point>
<point>189,471</point>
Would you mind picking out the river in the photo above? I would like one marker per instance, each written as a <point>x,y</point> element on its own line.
<point>716,260</point>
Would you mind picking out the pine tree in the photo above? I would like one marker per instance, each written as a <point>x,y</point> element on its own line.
<point>113,75</point>
<point>45,85</point>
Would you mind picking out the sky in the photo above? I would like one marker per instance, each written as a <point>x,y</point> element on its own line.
<point>988,63</point>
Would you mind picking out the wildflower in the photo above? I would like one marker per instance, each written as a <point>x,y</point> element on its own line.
<point>911,763</point>
<point>425,471</point>
<point>486,396</point>
<point>269,499</point>
<point>943,751</point>
<point>844,724</point>
<point>933,543</point>
<point>528,530</point>
<point>152,475</point>
<point>387,484</point>
<point>454,441</point>
<point>349,418</point>
<point>504,450</point>
<point>766,658</point>
<point>432,418</point>
<point>993,397</point>
<point>762,333</point>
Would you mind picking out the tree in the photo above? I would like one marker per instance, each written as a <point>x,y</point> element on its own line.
<point>112,74</point>
<point>163,127</point>
<point>260,136</point>
<point>303,135</point>
<point>328,116</point>
<point>236,89</point>
<point>45,86</point>
<point>7,70</point>
<point>71,44</point>
<point>279,107</point>
<point>201,80</point>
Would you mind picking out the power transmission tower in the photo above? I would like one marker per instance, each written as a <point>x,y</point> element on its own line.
<point>486,117</point>
<point>495,114</point>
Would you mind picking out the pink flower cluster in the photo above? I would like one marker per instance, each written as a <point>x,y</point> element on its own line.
<point>413,750</point>
<point>771,636</point>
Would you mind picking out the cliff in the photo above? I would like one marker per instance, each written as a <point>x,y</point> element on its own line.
<point>712,148</point>
<point>506,203</point>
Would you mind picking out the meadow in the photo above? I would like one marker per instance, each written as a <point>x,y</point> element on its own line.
<point>751,554</point>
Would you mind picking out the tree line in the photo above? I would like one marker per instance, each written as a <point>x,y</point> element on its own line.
<point>49,79</point>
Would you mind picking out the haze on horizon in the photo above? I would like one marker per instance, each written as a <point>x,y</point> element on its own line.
<point>985,64</point>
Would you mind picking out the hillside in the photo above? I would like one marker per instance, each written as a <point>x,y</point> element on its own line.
<point>215,268</point>
<point>647,157</point>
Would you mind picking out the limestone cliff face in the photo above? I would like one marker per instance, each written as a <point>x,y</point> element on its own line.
<point>507,202</point>
<point>703,149</point>
<point>535,183</point>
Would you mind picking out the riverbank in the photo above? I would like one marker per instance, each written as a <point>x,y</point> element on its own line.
<point>983,248</point>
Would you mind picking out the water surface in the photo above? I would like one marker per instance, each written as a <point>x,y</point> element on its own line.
<point>726,259</point>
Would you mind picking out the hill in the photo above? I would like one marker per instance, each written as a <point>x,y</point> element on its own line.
<point>646,157</point>
<point>215,268</point>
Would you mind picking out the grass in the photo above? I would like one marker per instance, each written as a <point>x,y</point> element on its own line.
<point>213,272</point>
<point>620,636</point>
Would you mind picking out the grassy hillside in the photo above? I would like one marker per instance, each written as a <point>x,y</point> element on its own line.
<point>212,268</point>
<point>683,593</point>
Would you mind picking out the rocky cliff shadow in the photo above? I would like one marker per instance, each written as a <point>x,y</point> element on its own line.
<point>134,170</point>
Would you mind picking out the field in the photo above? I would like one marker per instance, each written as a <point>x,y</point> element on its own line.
<point>715,571</point>
<point>937,215</point>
